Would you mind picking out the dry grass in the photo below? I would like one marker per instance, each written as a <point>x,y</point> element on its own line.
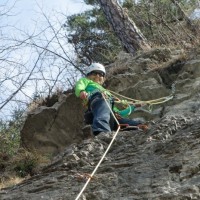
<point>49,100</point>
<point>4,183</point>
<point>22,166</point>
<point>153,59</point>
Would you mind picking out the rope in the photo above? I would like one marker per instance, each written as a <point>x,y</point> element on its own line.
<point>103,95</point>
<point>114,93</point>
<point>150,102</point>
<point>99,163</point>
<point>132,101</point>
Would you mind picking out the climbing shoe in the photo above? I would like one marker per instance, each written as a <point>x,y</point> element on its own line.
<point>143,127</point>
<point>87,132</point>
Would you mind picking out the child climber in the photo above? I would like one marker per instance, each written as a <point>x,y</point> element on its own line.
<point>90,89</point>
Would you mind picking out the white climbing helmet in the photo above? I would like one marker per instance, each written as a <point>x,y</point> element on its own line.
<point>96,67</point>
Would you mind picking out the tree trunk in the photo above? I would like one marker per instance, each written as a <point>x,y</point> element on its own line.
<point>125,29</point>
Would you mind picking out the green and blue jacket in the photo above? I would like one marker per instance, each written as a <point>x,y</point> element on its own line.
<point>91,87</point>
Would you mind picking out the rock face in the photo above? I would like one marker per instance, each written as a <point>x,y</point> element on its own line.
<point>50,129</point>
<point>162,164</point>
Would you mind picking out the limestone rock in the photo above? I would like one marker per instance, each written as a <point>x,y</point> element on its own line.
<point>161,164</point>
<point>50,129</point>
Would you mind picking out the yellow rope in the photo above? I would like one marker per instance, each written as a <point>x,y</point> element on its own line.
<point>132,101</point>
<point>150,102</point>
<point>159,101</point>
<point>116,94</point>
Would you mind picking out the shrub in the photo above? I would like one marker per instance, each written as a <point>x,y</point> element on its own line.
<point>25,163</point>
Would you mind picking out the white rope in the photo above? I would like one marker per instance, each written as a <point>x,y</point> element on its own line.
<point>99,163</point>
<point>110,109</point>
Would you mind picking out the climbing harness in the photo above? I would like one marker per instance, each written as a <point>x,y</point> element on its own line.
<point>151,102</point>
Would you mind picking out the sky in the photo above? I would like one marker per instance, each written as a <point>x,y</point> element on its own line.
<point>26,15</point>
<point>27,12</point>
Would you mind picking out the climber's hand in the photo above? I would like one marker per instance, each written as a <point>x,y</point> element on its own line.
<point>83,95</point>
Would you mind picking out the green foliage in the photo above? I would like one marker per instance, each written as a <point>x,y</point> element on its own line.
<point>10,134</point>
<point>128,4</point>
<point>161,21</point>
<point>91,2</point>
<point>92,37</point>
<point>25,164</point>
<point>10,138</point>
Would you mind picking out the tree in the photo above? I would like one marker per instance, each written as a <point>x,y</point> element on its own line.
<point>10,133</point>
<point>189,22</point>
<point>92,37</point>
<point>163,22</point>
<point>125,29</point>
<point>33,61</point>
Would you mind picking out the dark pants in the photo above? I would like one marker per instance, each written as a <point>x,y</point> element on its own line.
<point>101,113</point>
<point>102,119</point>
<point>128,122</point>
